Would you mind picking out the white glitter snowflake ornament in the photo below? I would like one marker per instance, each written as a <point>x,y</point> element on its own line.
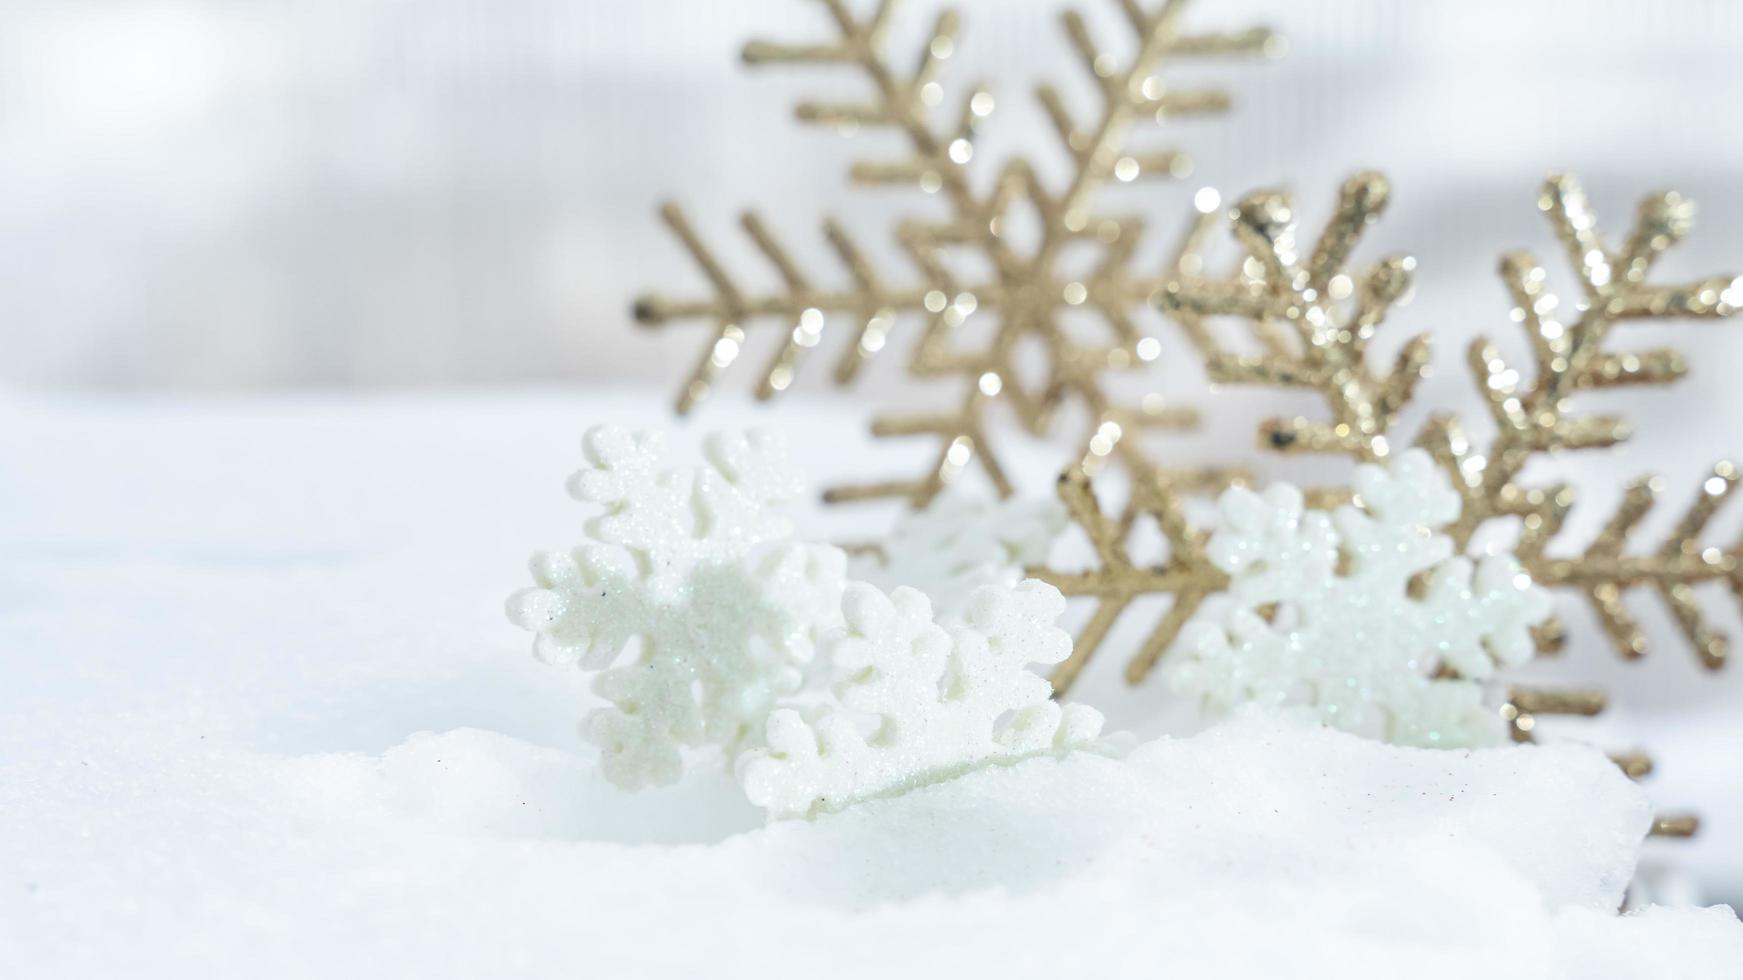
<point>920,702</point>
<point>1327,617</point>
<point>960,543</point>
<point>692,602</point>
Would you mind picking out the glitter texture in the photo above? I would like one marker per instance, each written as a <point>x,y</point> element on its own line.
<point>1327,617</point>
<point>944,700</point>
<point>960,543</point>
<point>696,569</point>
<point>1028,290</point>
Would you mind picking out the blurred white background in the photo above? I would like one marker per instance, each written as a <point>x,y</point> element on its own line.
<point>238,193</point>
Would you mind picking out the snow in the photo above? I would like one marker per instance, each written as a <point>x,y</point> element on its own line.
<point>260,715</point>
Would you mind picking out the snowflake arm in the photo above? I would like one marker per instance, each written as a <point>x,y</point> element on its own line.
<point>943,701</point>
<point>1328,620</point>
<point>669,520</point>
<point>1476,606</point>
<point>960,543</point>
<point>696,569</point>
<point>1123,573</point>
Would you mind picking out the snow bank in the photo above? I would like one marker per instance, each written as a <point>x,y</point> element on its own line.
<point>1253,850</point>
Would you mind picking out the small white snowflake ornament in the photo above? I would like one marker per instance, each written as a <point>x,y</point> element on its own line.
<point>962,542</point>
<point>1325,617</point>
<point>920,702</point>
<point>692,602</point>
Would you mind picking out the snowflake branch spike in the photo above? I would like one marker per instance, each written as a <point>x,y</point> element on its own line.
<point>1524,705</point>
<point>1188,575</point>
<point>1300,313</point>
<point>1026,291</point>
<point>1312,321</point>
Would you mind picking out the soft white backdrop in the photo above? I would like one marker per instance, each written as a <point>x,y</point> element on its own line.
<point>278,192</point>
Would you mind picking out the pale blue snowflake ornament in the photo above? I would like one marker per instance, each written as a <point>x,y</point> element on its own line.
<point>961,542</point>
<point>1326,618</point>
<point>918,702</point>
<point>696,569</point>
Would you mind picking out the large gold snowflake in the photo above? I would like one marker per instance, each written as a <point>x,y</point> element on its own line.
<point>1027,293</point>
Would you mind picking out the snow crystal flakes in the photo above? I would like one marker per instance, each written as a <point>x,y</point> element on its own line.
<point>1328,617</point>
<point>696,568</point>
<point>946,700</point>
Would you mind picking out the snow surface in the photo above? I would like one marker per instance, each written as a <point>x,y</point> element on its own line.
<point>260,716</point>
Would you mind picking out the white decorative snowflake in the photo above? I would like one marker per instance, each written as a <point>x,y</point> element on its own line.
<point>960,543</point>
<point>695,570</point>
<point>1327,616</point>
<point>938,701</point>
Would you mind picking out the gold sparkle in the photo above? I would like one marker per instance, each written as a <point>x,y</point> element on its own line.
<point>1313,336</point>
<point>1310,340</point>
<point>1025,294</point>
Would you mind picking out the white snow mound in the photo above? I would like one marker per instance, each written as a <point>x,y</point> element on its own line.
<point>1257,849</point>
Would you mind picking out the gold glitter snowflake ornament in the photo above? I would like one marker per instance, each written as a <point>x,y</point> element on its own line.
<point>1313,341</point>
<point>1327,618</point>
<point>1310,320</point>
<point>1027,293</point>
